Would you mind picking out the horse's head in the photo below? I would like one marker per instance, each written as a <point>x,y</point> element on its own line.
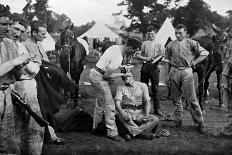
<point>67,40</point>
<point>219,39</point>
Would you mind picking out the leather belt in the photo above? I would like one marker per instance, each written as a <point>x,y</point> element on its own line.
<point>180,68</point>
<point>100,70</point>
<point>134,107</point>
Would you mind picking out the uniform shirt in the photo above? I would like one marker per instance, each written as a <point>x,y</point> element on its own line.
<point>7,53</point>
<point>182,53</point>
<point>32,68</point>
<point>111,59</point>
<point>135,95</point>
<point>150,49</point>
<point>37,49</point>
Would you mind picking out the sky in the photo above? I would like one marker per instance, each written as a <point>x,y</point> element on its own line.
<point>83,11</point>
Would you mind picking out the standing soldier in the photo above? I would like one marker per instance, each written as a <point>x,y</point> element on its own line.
<point>9,60</point>
<point>100,75</point>
<point>180,55</point>
<point>150,71</point>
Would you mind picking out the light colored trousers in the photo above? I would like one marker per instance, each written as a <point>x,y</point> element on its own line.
<point>7,122</point>
<point>28,130</point>
<point>104,103</point>
<point>182,83</point>
<point>138,115</point>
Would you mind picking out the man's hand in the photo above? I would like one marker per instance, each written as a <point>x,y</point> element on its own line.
<point>193,65</point>
<point>126,116</point>
<point>149,59</point>
<point>22,59</point>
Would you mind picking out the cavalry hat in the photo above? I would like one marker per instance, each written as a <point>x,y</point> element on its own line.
<point>5,11</point>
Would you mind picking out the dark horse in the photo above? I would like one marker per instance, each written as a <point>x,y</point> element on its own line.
<point>215,45</point>
<point>72,58</point>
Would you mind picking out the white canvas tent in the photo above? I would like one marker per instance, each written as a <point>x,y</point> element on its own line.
<point>48,43</point>
<point>100,31</point>
<point>167,30</point>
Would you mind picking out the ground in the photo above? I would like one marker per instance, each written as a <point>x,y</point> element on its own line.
<point>185,140</point>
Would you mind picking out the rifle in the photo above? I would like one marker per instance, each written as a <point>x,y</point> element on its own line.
<point>19,102</point>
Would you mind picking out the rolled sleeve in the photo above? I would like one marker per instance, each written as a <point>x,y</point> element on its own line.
<point>197,49</point>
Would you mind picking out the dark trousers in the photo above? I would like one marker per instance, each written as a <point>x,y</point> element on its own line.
<point>151,72</point>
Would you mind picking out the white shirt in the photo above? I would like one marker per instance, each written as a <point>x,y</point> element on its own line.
<point>111,59</point>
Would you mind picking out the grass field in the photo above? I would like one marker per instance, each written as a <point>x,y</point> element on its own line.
<point>185,140</point>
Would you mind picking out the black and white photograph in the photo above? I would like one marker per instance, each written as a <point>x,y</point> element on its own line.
<point>115,77</point>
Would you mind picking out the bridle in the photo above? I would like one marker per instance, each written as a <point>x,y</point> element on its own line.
<point>72,37</point>
<point>70,46</point>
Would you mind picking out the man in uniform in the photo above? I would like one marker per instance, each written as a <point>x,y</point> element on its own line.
<point>150,71</point>
<point>9,60</point>
<point>180,55</point>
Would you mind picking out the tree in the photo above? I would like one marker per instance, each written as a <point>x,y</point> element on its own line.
<point>38,9</point>
<point>53,20</point>
<point>146,12</point>
<point>196,14</point>
<point>229,18</point>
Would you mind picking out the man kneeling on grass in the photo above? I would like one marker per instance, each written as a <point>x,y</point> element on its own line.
<point>133,107</point>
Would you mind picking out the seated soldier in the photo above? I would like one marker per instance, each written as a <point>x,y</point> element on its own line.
<point>133,106</point>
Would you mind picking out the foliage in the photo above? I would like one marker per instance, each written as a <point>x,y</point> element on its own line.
<point>146,12</point>
<point>195,14</point>
<point>38,9</point>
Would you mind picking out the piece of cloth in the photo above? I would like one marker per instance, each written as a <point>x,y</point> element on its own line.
<point>182,53</point>
<point>135,95</point>
<point>104,104</point>
<point>182,84</point>
<point>111,59</point>
<point>74,120</point>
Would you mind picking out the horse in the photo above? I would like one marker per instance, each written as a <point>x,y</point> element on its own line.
<point>215,45</point>
<point>72,58</point>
